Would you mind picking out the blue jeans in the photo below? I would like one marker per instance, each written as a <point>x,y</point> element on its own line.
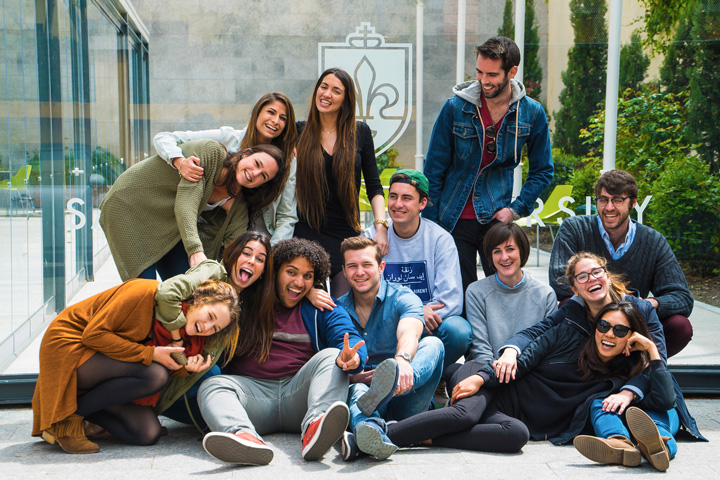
<point>607,424</point>
<point>456,335</point>
<point>174,262</point>
<point>427,368</point>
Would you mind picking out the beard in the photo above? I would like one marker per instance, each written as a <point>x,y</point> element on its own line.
<point>498,89</point>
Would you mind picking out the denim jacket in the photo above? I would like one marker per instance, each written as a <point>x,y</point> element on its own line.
<point>455,153</point>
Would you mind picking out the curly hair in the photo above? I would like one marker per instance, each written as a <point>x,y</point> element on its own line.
<point>287,250</point>
<point>257,318</point>
<point>212,292</point>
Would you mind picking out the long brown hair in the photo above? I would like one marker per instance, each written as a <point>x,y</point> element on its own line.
<point>257,318</point>
<point>261,196</point>
<point>212,292</point>
<point>591,367</point>
<point>312,186</point>
<point>285,141</point>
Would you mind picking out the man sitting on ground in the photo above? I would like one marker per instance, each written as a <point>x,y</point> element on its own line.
<point>640,253</point>
<point>300,377</point>
<point>423,257</point>
<point>403,371</point>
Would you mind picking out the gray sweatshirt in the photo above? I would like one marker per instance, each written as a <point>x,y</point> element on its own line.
<point>427,263</point>
<point>496,312</point>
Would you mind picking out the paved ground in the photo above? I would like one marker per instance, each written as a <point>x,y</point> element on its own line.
<point>180,455</point>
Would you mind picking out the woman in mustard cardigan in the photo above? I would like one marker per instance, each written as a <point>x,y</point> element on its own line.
<point>101,355</point>
<point>156,221</point>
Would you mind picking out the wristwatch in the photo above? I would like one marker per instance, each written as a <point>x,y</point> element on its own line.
<point>516,215</point>
<point>382,222</point>
<point>404,355</point>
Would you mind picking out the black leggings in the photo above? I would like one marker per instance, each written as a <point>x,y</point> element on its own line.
<point>471,423</point>
<point>109,386</point>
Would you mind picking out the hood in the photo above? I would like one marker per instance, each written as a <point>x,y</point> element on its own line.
<point>470,91</point>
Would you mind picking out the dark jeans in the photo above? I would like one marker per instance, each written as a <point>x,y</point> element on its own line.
<point>468,235</point>
<point>175,262</point>
<point>472,423</point>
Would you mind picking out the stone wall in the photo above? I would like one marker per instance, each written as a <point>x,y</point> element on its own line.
<point>211,60</point>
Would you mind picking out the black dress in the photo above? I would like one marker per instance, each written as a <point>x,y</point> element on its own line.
<point>335,227</point>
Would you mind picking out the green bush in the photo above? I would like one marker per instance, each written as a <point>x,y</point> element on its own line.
<point>686,209</point>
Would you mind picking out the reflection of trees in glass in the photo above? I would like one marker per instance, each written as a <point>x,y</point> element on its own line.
<point>633,63</point>
<point>106,164</point>
<point>691,65</point>
<point>532,71</point>
<point>584,78</point>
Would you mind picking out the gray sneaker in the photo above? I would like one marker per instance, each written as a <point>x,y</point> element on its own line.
<point>382,387</point>
<point>372,440</point>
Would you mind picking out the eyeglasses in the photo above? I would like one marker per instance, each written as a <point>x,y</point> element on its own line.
<point>491,133</point>
<point>603,326</point>
<point>617,201</point>
<point>597,272</point>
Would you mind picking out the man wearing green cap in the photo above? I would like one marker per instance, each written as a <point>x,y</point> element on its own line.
<point>423,257</point>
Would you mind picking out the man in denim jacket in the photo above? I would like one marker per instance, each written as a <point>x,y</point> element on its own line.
<point>475,146</point>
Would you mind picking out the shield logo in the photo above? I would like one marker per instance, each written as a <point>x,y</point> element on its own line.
<point>382,73</point>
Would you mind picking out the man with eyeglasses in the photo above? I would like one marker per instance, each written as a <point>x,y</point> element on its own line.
<point>638,252</point>
<point>476,144</point>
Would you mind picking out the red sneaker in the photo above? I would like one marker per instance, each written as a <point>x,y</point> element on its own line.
<point>239,448</point>
<point>322,433</point>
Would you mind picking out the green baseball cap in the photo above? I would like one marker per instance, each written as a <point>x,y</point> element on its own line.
<point>415,178</point>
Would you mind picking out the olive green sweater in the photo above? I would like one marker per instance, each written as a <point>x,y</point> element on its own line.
<point>150,208</point>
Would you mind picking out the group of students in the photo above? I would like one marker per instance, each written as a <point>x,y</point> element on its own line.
<point>110,364</point>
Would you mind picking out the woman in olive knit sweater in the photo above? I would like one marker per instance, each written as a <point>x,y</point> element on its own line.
<point>155,220</point>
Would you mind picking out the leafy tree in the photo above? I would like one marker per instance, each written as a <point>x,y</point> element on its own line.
<point>661,19</point>
<point>532,71</point>
<point>584,78</point>
<point>633,63</point>
<point>652,145</point>
<point>690,66</point>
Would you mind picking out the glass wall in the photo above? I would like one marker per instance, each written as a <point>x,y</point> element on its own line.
<point>63,140</point>
<point>87,114</point>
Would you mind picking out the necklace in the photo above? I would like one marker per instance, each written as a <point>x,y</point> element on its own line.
<point>328,133</point>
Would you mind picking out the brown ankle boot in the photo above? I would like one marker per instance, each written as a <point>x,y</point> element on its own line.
<point>616,449</point>
<point>70,435</point>
<point>650,443</point>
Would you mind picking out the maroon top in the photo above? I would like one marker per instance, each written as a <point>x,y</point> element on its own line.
<point>291,348</point>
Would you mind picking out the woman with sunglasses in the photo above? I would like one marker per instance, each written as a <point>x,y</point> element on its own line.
<point>487,419</point>
<point>618,335</point>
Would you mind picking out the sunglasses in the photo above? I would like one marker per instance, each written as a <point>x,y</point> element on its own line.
<point>603,326</point>
<point>491,133</point>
